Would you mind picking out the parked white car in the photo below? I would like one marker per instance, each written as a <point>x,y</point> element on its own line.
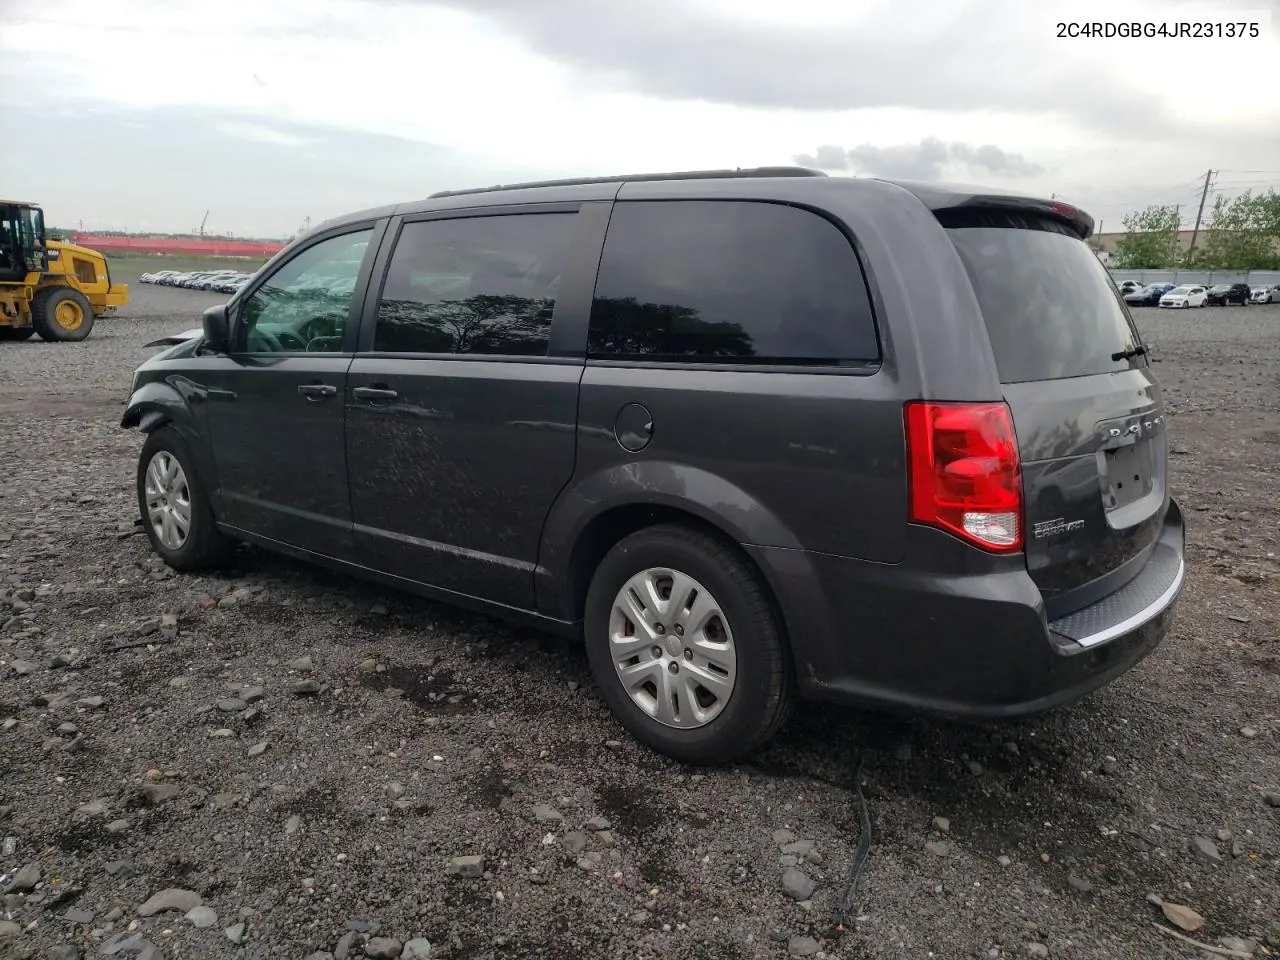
<point>1185,296</point>
<point>1269,294</point>
<point>216,281</point>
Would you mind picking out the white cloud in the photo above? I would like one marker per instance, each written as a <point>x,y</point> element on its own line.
<point>261,133</point>
<point>590,86</point>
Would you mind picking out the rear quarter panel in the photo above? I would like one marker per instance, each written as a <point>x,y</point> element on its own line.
<point>799,460</point>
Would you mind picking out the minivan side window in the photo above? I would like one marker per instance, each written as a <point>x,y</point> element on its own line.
<point>303,306</point>
<point>729,282</point>
<point>474,285</point>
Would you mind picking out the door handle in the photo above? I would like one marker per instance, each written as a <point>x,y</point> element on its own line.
<point>374,393</point>
<point>314,391</point>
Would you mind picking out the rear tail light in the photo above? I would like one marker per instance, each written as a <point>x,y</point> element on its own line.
<point>965,475</point>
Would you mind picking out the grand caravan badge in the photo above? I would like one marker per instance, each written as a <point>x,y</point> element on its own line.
<point>1055,528</point>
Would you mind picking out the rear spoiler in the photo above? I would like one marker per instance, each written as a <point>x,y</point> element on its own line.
<point>1074,217</point>
<point>940,197</point>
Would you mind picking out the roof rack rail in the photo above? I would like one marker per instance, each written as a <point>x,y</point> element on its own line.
<point>681,175</point>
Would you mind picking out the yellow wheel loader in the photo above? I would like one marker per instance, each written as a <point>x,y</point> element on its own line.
<point>49,287</point>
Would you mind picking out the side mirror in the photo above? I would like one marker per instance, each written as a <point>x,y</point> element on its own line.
<point>217,328</point>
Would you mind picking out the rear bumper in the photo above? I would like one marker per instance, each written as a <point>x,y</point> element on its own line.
<point>974,645</point>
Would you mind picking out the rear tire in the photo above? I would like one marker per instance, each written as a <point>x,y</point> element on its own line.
<point>61,315</point>
<point>716,623</point>
<point>176,511</point>
<point>16,333</point>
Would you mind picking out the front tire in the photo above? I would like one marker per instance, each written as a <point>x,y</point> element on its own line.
<point>176,511</point>
<point>686,647</point>
<point>16,333</point>
<point>61,315</point>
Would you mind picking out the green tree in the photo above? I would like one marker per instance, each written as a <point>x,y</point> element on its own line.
<point>1243,233</point>
<point>1269,213</point>
<point>1149,239</point>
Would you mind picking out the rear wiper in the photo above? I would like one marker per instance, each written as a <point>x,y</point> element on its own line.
<point>1129,354</point>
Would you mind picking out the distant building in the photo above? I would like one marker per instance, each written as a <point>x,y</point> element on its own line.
<point>178,246</point>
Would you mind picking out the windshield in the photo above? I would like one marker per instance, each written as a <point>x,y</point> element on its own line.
<point>1050,307</point>
<point>1180,290</point>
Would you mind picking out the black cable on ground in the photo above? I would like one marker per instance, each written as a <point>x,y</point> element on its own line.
<point>845,912</point>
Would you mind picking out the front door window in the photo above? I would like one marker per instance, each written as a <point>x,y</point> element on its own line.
<point>305,306</point>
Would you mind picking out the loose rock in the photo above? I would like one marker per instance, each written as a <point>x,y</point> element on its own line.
<point>172,899</point>
<point>466,868</point>
<point>942,824</point>
<point>383,948</point>
<point>202,917</point>
<point>1079,883</point>
<point>235,933</point>
<point>417,949</point>
<point>803,946</point>
<point>1205,849</point>
<point>798,848</point>
<point>797,885</point>
<point>158,793</point>
<point>545,814</point>
<point>26,879</point>
<point>1182,917</point>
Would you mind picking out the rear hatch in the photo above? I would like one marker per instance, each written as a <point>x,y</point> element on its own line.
<point>1087,410</point>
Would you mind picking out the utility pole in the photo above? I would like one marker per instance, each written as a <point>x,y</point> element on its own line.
<point>1177,232</point>
<point>1208,176</point>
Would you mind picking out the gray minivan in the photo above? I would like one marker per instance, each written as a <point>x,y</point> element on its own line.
<point>750,434</point>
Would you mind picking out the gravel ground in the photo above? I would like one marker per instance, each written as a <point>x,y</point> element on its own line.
<point>321,765</point>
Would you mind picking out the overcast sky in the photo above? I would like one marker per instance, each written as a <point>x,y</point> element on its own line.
<point>143,114</point>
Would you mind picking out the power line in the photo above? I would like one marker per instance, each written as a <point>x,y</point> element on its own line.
<point>1249,183</point>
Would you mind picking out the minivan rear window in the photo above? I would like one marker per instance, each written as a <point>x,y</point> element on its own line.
<point>1050,307</point>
